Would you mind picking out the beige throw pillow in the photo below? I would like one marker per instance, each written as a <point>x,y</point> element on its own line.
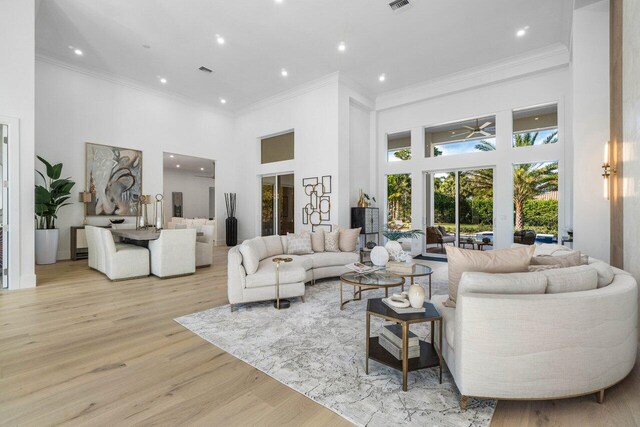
<point>571,259</point>
<point>496,261</point>
<point>299,244</point>
<point>348,240</point>
<point>332,241</point>
<point>317,241</point>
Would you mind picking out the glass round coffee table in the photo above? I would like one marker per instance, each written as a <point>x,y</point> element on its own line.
<point>366,282</point>
<point>419,271</point>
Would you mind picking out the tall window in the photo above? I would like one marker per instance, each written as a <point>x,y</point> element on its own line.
<point>535,200</point>
<point>535,126</point>
<point>468,136</point>
<point>277,148</point>
<point>399,146</point>
<point>399,201</point>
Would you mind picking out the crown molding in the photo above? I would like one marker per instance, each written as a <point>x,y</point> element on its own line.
<point>294,92</point>
<point>551,57</point>
<point>131,84</point>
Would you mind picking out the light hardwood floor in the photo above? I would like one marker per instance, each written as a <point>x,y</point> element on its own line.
<point>81,350</point>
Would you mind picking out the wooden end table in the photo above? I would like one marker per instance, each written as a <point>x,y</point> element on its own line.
<point>429,355</point>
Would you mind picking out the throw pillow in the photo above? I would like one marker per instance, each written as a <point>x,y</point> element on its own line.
<point>569,260</point>
<point>299,244</point>
<point>348,239</point>
<point>572,279</point>
<point>545,267</point>
<point>605,273</point>
<point>252,251</point>
<point>513,283</point>
<point>332,241</point>
<point>273,245</point>
<point>317,241</point>
<point>496,261</point>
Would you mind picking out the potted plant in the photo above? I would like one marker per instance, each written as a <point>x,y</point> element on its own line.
<point>49,198</point>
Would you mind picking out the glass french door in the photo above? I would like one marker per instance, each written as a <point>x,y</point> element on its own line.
<point>4,208</point>
<point>277,193</point>
<point>459,210</point>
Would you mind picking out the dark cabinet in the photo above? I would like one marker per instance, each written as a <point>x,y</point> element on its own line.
<point>366,218</point>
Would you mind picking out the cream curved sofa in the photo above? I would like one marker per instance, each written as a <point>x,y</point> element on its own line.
<point>541,346</point>
<point>261,285</point>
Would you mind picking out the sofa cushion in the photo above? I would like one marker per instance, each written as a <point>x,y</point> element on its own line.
<point>332,259</point>
<point>513,283</point>
<point>572,279</point>
<point>298,244</point>
<point>495,261</point>
<point>252,250</point>
<point>348,239</point>
<point>317,241</point>
<point>605,272</point>
<point>265,275</point>
<point>273,244</point>
<point>332,241</point>
<point>568,259</point>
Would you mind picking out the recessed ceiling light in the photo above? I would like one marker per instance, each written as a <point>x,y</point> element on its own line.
<point>201,169</point>
<point>163,80</point>
<point>77,52</point>
<point>219,39</point>
<point>177,166</point>
<point>522,31</point>
<point>536,118</point>
<point>171,155</point>
<point>382,77</point>
<point>278,1</point>
<point>284,72</point>
<point>342,47</point>
<point>223,101</point>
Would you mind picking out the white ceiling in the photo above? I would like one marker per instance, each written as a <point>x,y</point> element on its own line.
<point>431,39</point>
<point>188,164</point>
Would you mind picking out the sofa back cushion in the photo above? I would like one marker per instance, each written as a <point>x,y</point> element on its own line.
<point>317,241</point>
<point>605,272</point>
<point>332,241</point>
<point>253,251</point>
<point>572,279</point>
<point>563,260</point>
<point>513,283</point>
<point>273,245</point>
<point>299,244</point>
<point>348,239</point>
<point>496,261</point>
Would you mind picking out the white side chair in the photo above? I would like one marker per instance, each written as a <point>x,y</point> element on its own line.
<point>204,246</point>
<point>173,253</point>
<point>123,261</point>
<point>94,246</point>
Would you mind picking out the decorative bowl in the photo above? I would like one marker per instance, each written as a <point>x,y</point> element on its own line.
<point>116,220</point>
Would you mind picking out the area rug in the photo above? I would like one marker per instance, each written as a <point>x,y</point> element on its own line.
<point>319,351</point>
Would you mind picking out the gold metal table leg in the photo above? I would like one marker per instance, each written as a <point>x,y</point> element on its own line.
<point>405,354</point>
<point>278,285</point>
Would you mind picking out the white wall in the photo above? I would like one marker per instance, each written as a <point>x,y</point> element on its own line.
<point>499,99</point>
<point>195,193</point>
<point>17,49</point>
<point>75,106</point>
<point>590,74</point>
<point>312,113</point>
<point>359,152</point>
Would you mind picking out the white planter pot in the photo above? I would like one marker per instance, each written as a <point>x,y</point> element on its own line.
<point>47,246</point>
<point>416,296</point>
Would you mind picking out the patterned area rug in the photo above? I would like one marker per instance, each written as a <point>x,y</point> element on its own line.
<point>319,351</point>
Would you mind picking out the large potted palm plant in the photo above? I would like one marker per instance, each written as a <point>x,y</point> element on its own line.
<point>50,197</point>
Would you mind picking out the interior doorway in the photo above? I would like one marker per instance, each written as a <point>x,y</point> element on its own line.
<point>278,204</point>
<point>459,210</point>
<point>189,186</point>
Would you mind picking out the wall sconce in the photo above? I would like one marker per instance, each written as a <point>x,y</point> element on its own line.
<point>85,198</point>
<point>606,172</point>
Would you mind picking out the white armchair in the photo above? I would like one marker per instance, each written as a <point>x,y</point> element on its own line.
<point>122,261</point>
<point>204,246</point>
<point>173,253</point>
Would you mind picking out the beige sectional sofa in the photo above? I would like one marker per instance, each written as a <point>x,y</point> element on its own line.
<point>521,342</point>
<point>252,276</point>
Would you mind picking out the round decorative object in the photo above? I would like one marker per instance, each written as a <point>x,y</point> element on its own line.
<point>416,296</point>
<point>379,256</point>
<point>394,248</point>
<point>371,245</point>
<point>399,302</point>
<point>116,221</point>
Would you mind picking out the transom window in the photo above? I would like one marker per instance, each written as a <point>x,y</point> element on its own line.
<point>467,136</point>
<point>535,126</point>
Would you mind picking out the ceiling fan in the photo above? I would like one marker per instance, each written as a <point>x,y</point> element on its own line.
<point>478,129</point>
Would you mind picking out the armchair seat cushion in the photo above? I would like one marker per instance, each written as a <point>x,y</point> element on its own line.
<point>448,239</point>
<point>265,275</point>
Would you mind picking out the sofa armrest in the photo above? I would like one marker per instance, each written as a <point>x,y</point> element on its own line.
<point>236,276</point>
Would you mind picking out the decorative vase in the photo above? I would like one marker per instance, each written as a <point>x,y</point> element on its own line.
<point>379,256</point>
<point>371,245</point>
<point>362,203</point>
<point>394,248</point>
<point>416,296</point>
<point>232,231</point>
<point>47,246</point>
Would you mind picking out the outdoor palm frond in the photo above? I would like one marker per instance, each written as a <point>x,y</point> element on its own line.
<point>397,235</point>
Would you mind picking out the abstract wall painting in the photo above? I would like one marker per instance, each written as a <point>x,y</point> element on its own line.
<point>318,210</point>
<point>114,179</point>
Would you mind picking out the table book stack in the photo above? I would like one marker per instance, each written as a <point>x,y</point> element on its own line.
<point>391,340</point>
<point>401,267</point>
